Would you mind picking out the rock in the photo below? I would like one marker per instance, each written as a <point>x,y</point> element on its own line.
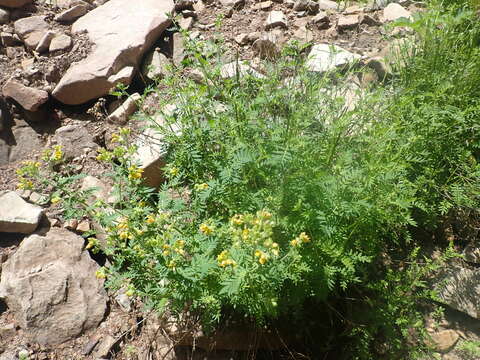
<point>265,5</point>
<point>27,143</point>
<point>14,3</point>
<point>44,43</point>
<point>178,49</point>
<point>235,68</point>
<point>150,156</point>
<point>242,39</point>
<point>60,43</point>
<point>155,65</point>
<point>324,57</point>
<point>70,224</point>
<point>83,226</point>
<point>124,111</point>
<point>16,215</point>
<point>24,27</point>
<point>321,20</point>
<point>472,254</point>
<point>72,14</point>
<point>233,3</point>
<point>379,64</point>
<point>105,347</point>
<point>348,22</point>
<point>186,23</point>
<point>124,301</point>
<point>327,5</point>
<point>266,47</point>
<point>7,331</point>
<point>459,288</point>
<point>8,39</point>
<point>97,189</point>
<point>309,6</point>
<point>49,284</point>
<point>75,140</point>
<point>184,5</point>
<point>119,44</point>
<point>304,34</point>
<point>395,11</point>
<point>276,19</point>
<point>4,16</point>
<point>443,341</point>
<point>32,40</point>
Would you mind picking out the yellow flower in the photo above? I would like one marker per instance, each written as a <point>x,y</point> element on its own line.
<point>91,243</point>
<point>295,242</point>
<point>200,187</point>
<point>55,200</point>
<point>258,253</point>
<point>173,171</point>
<point>223,255</point>
<point>304,237</point>
<point>150,219</point>
<point>134,172</point>
<point>130,292</point>
<point>206,229</point>
<point>263,259</point>
<point>100,273</point>
<point>115,138</point>
<point>57,153</point>
<point>237,219</point>
<point>124,235</point>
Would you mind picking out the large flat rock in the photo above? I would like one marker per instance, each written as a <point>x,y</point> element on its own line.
<point>50,286</point>
<point>16,215</point>
<point>121,31</point>
<point>459,288</point>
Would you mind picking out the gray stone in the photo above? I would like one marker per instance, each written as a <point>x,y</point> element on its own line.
<point>124,111</point>
<point>459,288</point>
<point>105,346</point>
<point>327,5</point>
<point>50,286</point>
<point>27,142</point>
<point>72,14</point>
<point>44,43</point>
<point>8,39</point>
<point>155,65</point>
<point>28,98</point>
<point>266,47</point>
<point>324,57</point>
<point>150,155</point>
<point>75,140</point>
<point>4,16</point>
<point>119,45</point>
<point>178,49</point>
<point>276,19</point>
<point>443,341</point>
<point>309,6</point>
<point>60,43</point>
<point>97,189</point>
<point>232,3</point>
<point>16,215</point>
<point>348,22</point>
<point>395,11</point>
<point>28,25</point>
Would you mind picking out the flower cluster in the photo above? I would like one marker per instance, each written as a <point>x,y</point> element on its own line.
<point>224,259</point>
<point>54,155</point>
<point>300,239</point>
<point>25,174</point>
<point>134,172</point>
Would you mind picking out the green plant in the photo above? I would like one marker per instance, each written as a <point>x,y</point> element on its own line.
<point>278,196</point>
<point>469,349</point>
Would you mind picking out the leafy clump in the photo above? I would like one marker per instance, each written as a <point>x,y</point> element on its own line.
<point>279,197</point>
